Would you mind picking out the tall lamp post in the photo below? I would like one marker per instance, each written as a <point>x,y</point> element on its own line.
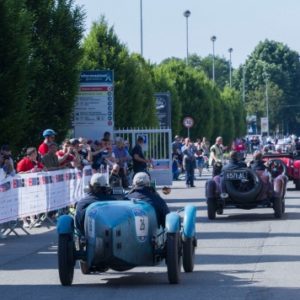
<point>213,39</point>
<point>266,75</point>
<point>141,25</point>
<point>230,66</point>
<point>244,84</point>
<point>187,13</point>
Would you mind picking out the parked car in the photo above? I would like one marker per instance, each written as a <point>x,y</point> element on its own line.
<point>246,189</point>
<point>121,235</point>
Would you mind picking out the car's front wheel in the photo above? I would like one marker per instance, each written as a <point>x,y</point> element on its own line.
<point>66,260</point>
<point>188,255</point>
<point>278,206</point>
<point>173,257</point>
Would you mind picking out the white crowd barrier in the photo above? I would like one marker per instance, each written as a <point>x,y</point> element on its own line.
<point>34,193</point>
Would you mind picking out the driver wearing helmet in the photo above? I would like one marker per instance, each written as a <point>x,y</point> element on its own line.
<point>49,137</point>
<point>143,191</point>
<point>99,191</point>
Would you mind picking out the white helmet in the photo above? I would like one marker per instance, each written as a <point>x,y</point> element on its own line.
<point>278,148</point>
<point>141,179</point>
<point>98,179</point>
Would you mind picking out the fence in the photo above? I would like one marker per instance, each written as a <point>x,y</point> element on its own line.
<point>157,147</point>
<point>35,193</point>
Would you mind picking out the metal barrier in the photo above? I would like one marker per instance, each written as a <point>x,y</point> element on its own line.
<point>157,147</point>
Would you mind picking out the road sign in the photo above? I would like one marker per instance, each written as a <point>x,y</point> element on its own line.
<point>188,122</point>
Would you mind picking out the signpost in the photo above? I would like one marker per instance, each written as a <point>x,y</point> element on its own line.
<point>94,108</point>
<point>188,122</point>
<point>264,125</point>
<point>163,109</point>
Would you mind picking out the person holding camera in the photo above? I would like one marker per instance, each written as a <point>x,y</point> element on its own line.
<point>68,157</point>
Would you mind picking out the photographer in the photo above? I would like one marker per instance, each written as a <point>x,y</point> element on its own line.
<point>68,157</point>
<point>6,161</point>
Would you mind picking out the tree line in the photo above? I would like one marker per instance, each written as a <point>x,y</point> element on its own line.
<point>42,52</point>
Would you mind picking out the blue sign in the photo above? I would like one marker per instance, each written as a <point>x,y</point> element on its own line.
<point>97,76</point>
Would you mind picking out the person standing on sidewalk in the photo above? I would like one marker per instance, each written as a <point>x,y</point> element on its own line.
<point>138,159</point>
<point>189,162</point>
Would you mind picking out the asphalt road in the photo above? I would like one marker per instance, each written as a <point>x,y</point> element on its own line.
<point>240,255</point>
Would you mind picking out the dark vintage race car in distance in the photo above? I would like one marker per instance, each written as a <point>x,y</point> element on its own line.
<point>246,189</point>
<point>291,163</point>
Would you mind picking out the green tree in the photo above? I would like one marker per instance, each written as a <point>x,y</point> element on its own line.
<point>14,68</point>
<point>195,93</point>
<point>134,90</point>
<point>257,106</point>
<point>280,66</point>
<point>56,30</point>
<point>238,111</point>
<point>205,65</point>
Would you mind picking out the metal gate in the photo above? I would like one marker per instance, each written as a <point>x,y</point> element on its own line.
<point>157,147</point>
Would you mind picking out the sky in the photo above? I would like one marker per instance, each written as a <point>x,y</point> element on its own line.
<point>237,24</point>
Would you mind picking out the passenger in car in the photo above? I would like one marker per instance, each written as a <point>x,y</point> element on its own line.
<point>99,191</point>
<point>257,164</point>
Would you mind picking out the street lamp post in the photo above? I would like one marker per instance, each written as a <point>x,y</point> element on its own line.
<point>266,77</point>
<point>141,25</point>
<point>244,84</point>
<point>186,14</point>
<point>267,100</point>
<point>230,66</point>
<point>213,39</point>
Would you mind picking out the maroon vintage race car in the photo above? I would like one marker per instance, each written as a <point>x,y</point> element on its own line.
<point>247,189</point>
<point>291,162</point>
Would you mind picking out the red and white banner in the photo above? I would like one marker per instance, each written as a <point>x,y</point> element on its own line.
<point>35,193</point>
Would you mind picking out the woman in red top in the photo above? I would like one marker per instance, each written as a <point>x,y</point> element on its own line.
<point>29,163</point>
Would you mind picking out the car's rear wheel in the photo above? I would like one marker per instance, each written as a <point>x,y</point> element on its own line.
<point>173,258</point>
<point>211,208</point>
<point>188,256</point>
<point>66,260</point>
<point>297,184</point>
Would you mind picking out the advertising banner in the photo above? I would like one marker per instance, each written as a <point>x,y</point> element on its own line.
<point>94,108</point>
<point>34,193</point>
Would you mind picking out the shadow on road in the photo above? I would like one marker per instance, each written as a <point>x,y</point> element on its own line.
<point>130,285</point>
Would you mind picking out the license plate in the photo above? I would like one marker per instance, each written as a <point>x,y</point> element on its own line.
<point>235,175</point>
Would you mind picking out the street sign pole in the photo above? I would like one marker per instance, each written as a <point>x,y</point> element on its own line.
<point>188,122</point>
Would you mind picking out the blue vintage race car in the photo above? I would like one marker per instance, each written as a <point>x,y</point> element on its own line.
<point>121,235</point>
